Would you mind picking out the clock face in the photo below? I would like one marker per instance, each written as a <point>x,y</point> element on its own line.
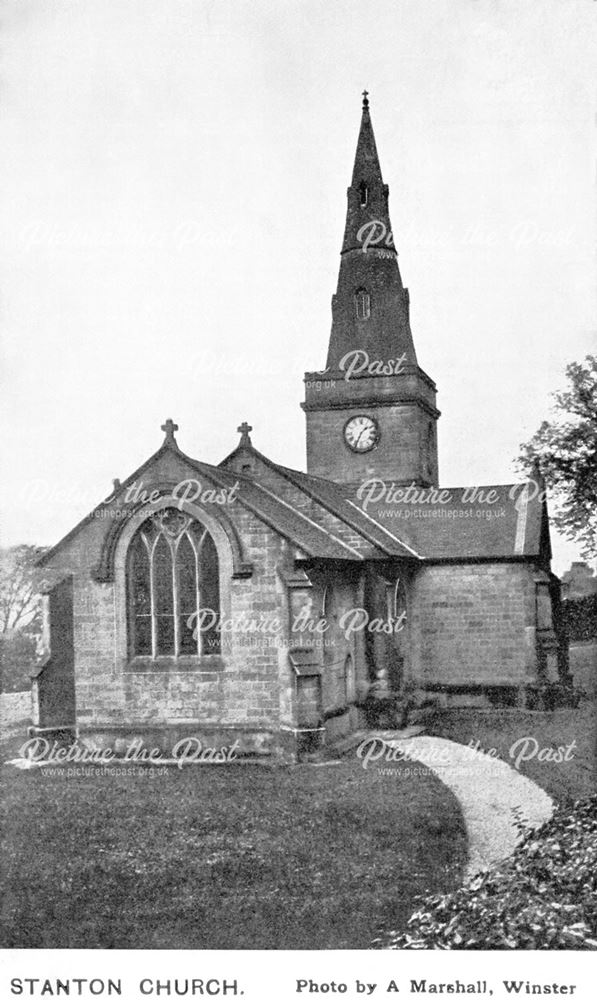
<point>361,433</point>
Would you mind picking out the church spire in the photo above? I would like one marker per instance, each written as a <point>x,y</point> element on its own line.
<point>371,307</point>
<point>372,412</point>
<point>367,194</point>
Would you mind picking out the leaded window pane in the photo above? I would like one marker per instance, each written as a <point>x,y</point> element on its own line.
<point>172,572</point>
<point>187,595</point>
<point>163,597</point>
<point>139,598</point>
<point>209,590</point>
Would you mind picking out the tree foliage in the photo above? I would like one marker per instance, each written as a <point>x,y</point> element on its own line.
<point>20,616</point>
<point>566,448</point>
<point>19,603</point>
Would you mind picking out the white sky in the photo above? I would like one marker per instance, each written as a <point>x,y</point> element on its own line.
<point>173,188</point>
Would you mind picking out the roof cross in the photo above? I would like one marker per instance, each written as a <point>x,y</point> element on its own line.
<point>169,428</point>
<point>365,98</point>
<point>244,431</point>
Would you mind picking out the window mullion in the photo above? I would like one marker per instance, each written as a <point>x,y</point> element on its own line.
<point>152,593</point>
<point>198,599</point>
<point>175,599</point>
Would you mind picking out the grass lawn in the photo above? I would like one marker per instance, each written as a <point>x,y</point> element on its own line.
<point>565,781</point>
<point>222,857</point>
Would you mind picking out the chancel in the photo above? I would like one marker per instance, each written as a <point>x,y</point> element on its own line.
<point>456,579</point>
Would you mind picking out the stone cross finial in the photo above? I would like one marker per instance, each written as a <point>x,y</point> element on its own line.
<point>244,431</point>
<point>365,98</point>
<point>169,428</point>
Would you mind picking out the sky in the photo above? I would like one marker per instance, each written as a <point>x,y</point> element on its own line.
<point>172,198</point>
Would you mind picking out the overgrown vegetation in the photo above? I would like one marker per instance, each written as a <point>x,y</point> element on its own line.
<point>581,618</point>
<point>544,896</point>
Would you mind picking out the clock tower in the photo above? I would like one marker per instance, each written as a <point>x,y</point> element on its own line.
<point>372,412</point>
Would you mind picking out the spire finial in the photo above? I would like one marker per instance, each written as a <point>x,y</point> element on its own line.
<point>169,428</point>
<point>244,431</point>
<point>365,98</point>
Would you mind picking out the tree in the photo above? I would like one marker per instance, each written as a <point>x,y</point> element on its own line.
<point>20,616</point>
<point>19,604</point>
<point>566,448</point>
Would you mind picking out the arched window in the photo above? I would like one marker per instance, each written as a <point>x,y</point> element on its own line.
<point>363,304</point>
<point>363,193</point>
<point>173,588</point>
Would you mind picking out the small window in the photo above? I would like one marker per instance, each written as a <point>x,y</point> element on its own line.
<point>324,602</point>
<point>363,193</point>
<point>363,304</point>
<point>349,680</point>
<point>400,609</point>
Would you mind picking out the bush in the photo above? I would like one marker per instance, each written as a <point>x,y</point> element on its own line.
<point>544,896</point>
<point>18,659</point>
<point>581,618</point>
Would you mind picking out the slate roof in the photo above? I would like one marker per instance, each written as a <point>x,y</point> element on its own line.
<point>488,522</point>
<point>329,520</point>
<point>459,528</point>
<point>464,528</point>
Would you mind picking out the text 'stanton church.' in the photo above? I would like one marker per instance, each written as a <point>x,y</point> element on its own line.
<point>282,609</point>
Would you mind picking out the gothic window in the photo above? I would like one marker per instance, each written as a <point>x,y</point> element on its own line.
<point>173,588</point>
<point>363,193</point>
<point>363,304</point>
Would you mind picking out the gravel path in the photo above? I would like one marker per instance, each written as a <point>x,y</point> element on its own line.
<point>493,796</point>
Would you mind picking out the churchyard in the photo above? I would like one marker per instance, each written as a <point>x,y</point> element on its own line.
<point>249,856</point>
<point>230,856</point>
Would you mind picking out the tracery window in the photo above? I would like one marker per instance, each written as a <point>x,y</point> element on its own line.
<point>173,588</point>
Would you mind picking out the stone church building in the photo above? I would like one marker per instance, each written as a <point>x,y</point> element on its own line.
<point>281,609</point>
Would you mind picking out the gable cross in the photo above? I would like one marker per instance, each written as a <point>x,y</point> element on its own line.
<point>244,431</point>
<point>169,428</point>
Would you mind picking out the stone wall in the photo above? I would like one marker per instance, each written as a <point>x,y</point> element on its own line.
<point>238,691</point>
<point>406,451</point>
<point>473,624</point>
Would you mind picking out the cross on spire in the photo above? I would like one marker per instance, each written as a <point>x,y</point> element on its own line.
<point>365,98</point>
<point>244,431</point>
<point>169,428</point>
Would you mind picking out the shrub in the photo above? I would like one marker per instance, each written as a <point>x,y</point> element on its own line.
<point>544,896</point>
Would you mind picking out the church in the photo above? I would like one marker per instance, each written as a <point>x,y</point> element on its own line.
<point>278,610</point>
